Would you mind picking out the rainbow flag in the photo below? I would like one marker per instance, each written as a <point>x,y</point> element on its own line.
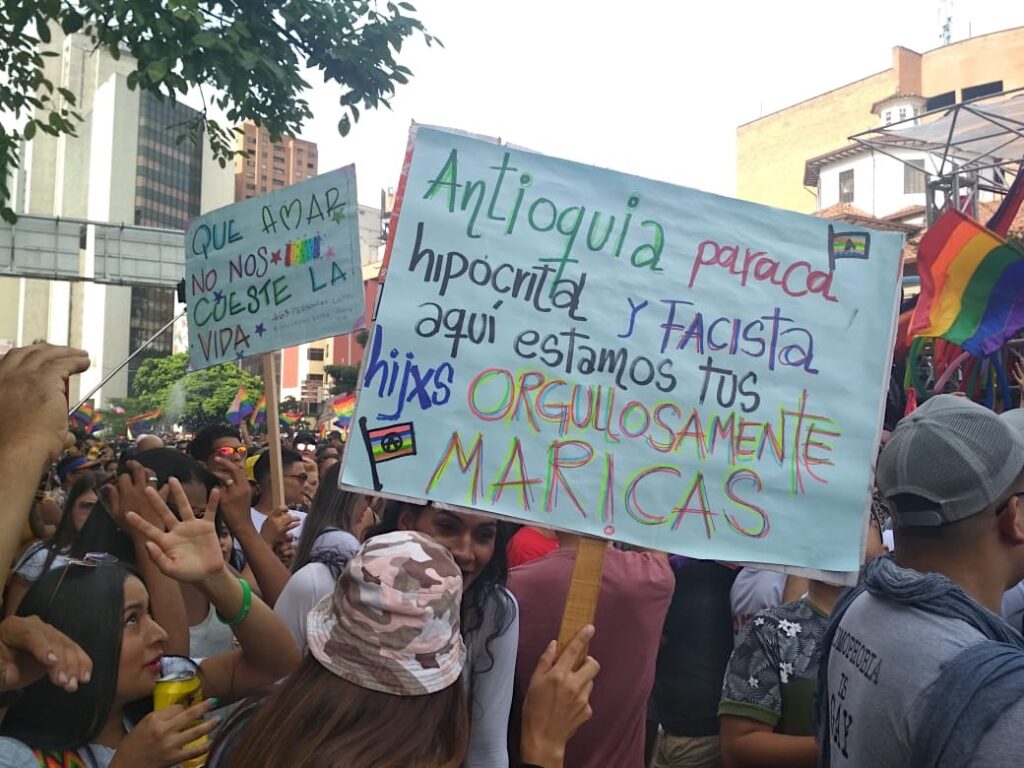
<point>241,407</point>
<point>344,406</point>
<point>83,417</point>
<point>972,286</point>
<point>290,419</point>
<point>259,415</point>
<point>96,424</point>
<point>142,423</point>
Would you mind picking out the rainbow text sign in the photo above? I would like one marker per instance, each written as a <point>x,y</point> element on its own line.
<point>579,348</point>
<point>273,271</point>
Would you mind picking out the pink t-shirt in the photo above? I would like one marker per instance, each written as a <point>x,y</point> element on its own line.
<point>528,544</point>
<point>636,590</point>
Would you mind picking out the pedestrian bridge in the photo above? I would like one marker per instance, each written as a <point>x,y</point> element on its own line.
<point>45,247</point>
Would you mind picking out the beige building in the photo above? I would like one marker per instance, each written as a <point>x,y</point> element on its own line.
<point>772,151</point>
<point>271,165</point>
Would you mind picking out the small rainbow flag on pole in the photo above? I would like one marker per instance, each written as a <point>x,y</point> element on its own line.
<point>290,419</point>
<point>259,415</point>
<point>972,286</point>
<point>96,425</point>
<point>344,406</point>
<point>241,407</point>
<point>83,417</point>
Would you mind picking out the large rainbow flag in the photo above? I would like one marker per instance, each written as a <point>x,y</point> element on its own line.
<point>972,286</point>
<point>290,419</point>
<point>343,406</point>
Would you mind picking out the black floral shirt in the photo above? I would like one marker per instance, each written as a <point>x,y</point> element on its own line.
<point>773,670</point>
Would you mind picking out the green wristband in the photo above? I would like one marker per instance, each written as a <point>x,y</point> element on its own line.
<point>244,610</point>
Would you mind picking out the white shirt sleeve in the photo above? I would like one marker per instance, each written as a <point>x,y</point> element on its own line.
<point>491,690</point>
<point>304,589</point>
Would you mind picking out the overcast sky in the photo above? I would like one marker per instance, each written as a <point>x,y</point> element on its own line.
<point>651,87</point>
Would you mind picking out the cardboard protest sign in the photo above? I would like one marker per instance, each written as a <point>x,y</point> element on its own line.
<point>274,271</point>
<point>626,359</point>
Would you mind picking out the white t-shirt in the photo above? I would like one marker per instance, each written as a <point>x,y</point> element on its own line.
<point>30,566</point>
<point>752,591</point>
<point>311,583</point>
<point>258,518</point>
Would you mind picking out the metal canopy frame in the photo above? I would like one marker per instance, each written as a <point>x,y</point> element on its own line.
<point>983,134</point>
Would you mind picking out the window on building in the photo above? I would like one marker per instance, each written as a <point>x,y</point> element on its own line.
<point>846,186</point>
<point>310,165</point>
<point>250,186</point>
<point>913,177</point>
<point>985,89</point>
<point>887,117</point>
<point>903,113</point>
<point>278,182</point>
<point>317,377</point>
<point>315,353</point>
<point>946,99</point>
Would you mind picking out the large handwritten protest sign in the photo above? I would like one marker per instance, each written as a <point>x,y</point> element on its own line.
<point>625,358</point>
<point>274,271</point>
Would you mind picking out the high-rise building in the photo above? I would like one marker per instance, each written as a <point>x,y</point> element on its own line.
<point>271,165</point>
<point>772,152</point>
<point>127,167</point>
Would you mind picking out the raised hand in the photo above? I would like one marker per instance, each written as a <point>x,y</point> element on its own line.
<point>30,649</point>
<point>32,381</point>
<point>276,530</point>
<point>558,700</point>
<point>235,496</point>
<point>188,550</point>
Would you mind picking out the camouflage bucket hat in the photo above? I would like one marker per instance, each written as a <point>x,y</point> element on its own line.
<point>392,624</point>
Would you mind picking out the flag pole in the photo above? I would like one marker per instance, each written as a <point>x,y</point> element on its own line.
<point>273,427</point>
<point>130,357</point>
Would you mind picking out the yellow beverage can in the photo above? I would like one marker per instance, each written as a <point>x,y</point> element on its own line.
<point>180,686</point>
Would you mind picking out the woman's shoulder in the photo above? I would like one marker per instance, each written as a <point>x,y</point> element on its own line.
<point>30,565</point>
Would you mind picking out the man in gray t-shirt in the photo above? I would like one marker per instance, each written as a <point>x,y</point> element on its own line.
<point>953,474</point>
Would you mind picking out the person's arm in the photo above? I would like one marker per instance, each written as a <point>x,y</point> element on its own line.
<point>33,430</point>
<point>189,552</point>
<point>751,705</point>
<point>747,743</point>
<point>492,690</point>
<point>796,587</point>
<point>557,702</point>
<point>303,591</point>
<point>17,588</point>
<point>270,573</point>
<point>165,598</point>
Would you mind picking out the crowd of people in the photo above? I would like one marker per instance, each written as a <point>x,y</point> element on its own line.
<point>343,629</point>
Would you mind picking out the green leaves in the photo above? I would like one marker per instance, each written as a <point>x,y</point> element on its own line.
<point>247,57</point>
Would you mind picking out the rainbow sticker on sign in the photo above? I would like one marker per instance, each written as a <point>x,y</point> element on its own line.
<point>847,245</point>
<point>301,252</point>
<point>387,443</point>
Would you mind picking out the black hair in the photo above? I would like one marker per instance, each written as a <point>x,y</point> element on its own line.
<point>303,437</point>
<point>66,531</point>
<point>488,587</point>
<point>202,444</point>
<point>86,604</point>
<point>168,463</point>
<point>261,470</point>
<point>236,559</point>
<point>333,509</point>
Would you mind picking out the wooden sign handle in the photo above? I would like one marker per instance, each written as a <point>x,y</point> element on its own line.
<point>273,428</point>
<point>581,602</point>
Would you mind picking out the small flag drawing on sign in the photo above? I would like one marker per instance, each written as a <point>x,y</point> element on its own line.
<point>392,442</point>
<point>847,245</point>
<point>386,443</point>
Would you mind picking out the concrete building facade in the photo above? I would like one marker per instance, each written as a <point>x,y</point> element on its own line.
<point>123,167</point>
<point>772,152</point>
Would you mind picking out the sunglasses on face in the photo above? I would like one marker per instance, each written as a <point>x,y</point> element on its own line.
<point>305,446</point>
<point>88,560</point>
<point>226,451</point>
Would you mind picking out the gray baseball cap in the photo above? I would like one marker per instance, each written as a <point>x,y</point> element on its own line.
<point>953,452</point>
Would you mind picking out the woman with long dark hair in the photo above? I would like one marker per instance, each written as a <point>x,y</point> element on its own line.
<point>490,616</point>
<point>44,555</point>
<point>104,607</point>
<point>380,685</point>
<point>334,527</point>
